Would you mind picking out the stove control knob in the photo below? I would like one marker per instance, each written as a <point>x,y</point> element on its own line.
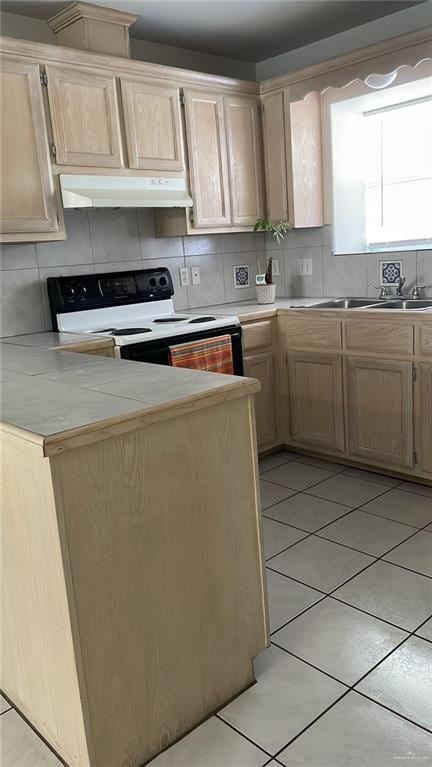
<point>163,281</point>
<point>80,289</point>
<point>68,290</point>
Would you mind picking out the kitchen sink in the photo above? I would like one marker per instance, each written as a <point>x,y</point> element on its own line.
<point>399,304</point>
<point>404,304</point>
<point>346,303</point>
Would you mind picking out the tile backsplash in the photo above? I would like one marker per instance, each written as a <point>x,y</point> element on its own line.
<point>111,240</point>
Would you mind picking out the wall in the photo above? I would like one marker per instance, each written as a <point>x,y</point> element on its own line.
<point>408,20</point>
<point>356,275</point>
<point>170,56</point>
<point>26,28</point>
<point>101,241</point>
<point>115,240</point>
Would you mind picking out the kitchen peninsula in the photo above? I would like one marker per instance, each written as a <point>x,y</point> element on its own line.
<point>132,545</point>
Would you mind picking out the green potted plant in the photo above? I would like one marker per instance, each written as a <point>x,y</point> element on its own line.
<point>265,287</point>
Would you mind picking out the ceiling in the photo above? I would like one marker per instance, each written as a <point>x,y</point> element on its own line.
<point>250,30</point>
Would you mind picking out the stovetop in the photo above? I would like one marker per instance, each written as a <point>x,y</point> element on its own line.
<point>147,328</point>
<point>131,306</point>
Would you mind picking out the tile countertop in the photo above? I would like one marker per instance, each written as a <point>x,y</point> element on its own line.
<point>251,310</point>
<point>49,395</point>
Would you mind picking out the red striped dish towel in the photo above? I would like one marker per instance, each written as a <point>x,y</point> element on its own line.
<point>212,354</point>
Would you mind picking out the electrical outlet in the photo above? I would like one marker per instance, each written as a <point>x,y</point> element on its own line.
<point>275,265</point>
<point>184,276</point>
<point>304,267</point>
<point>196,279</point>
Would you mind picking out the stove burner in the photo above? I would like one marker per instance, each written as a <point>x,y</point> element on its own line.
<point>170,319</point>
<point>129,331</point>
<point>202,319</point>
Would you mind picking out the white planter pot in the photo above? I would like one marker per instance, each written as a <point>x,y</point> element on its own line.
<point>266,294</point>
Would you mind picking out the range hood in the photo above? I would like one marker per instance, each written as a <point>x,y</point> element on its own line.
<point>124,192</point>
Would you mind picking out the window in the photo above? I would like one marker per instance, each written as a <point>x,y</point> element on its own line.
<point>398,185</point>
<point>381,146</point>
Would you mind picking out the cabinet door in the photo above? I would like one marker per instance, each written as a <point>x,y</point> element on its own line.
<point>275,156</point>
<point>304,160</point>
<point>380,410</point>
<point>85,118</point>
<point>27,202</point>
<point>152,123</point>
<point>316,400</point>
<point>423,416</point>
<point>208,164</point>
<point>244,159</point>
<point>260,366</point>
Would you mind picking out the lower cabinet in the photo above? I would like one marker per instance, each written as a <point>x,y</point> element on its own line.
<point>260,366</point>
<point>379,410</point>
<point>423,416</point>
<point>316,399</point>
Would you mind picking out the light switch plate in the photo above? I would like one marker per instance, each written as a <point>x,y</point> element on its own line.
<point>196,279</point>
<point>304,266</point>
<point>275,264</point>
<point>184,276</point>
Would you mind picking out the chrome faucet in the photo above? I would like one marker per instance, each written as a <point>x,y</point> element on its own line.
<point>401,282</point>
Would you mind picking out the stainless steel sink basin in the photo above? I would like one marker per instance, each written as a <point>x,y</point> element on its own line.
<point>404,304</point>
<point>345,303</point>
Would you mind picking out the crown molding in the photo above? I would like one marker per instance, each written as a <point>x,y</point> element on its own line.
<point>78,11</point>
<point>394,45</point>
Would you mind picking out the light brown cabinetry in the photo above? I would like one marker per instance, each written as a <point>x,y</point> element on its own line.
<point>244,159</point>
<point>380,410</point>
<point>316,399</point>
<point>361,387</point>
<point>28,209</point>
<point>423,416</point>
<point>223,136</point>
<point>208,159</point>
<point>260,366</point>
<point>293,158</point>
<point>85,117</point>
<point>152,125</point>
<point>258,362</point>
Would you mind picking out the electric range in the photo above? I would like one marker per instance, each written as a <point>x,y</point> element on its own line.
<point>136,309</point>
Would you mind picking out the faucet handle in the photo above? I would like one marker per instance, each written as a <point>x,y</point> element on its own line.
<point>416,291</point>
<point>383,291</point>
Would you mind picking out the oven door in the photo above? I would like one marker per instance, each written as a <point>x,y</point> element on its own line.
<point>157,352</point>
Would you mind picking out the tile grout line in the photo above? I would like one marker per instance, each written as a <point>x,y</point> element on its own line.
<point>246,737</point>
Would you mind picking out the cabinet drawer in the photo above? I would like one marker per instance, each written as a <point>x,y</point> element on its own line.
<point>423,342</point>
<point>258,335</point>
<point>385,337</point>
<point>312,333</point>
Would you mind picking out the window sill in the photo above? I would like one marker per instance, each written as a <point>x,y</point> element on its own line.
<point>385,251</point>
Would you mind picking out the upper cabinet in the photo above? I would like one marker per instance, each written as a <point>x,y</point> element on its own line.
<point>293,160</point>
<point>208,159</point>
<point>223,135</point>
<point>85,118</point>
<point>28,208</point>
<point>244,159</point>
<point>153,125</point>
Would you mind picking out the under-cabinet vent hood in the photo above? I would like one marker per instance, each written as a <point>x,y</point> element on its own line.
<point>124,192</point>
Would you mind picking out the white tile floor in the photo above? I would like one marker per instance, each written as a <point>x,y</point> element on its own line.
<point>347,681</point>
